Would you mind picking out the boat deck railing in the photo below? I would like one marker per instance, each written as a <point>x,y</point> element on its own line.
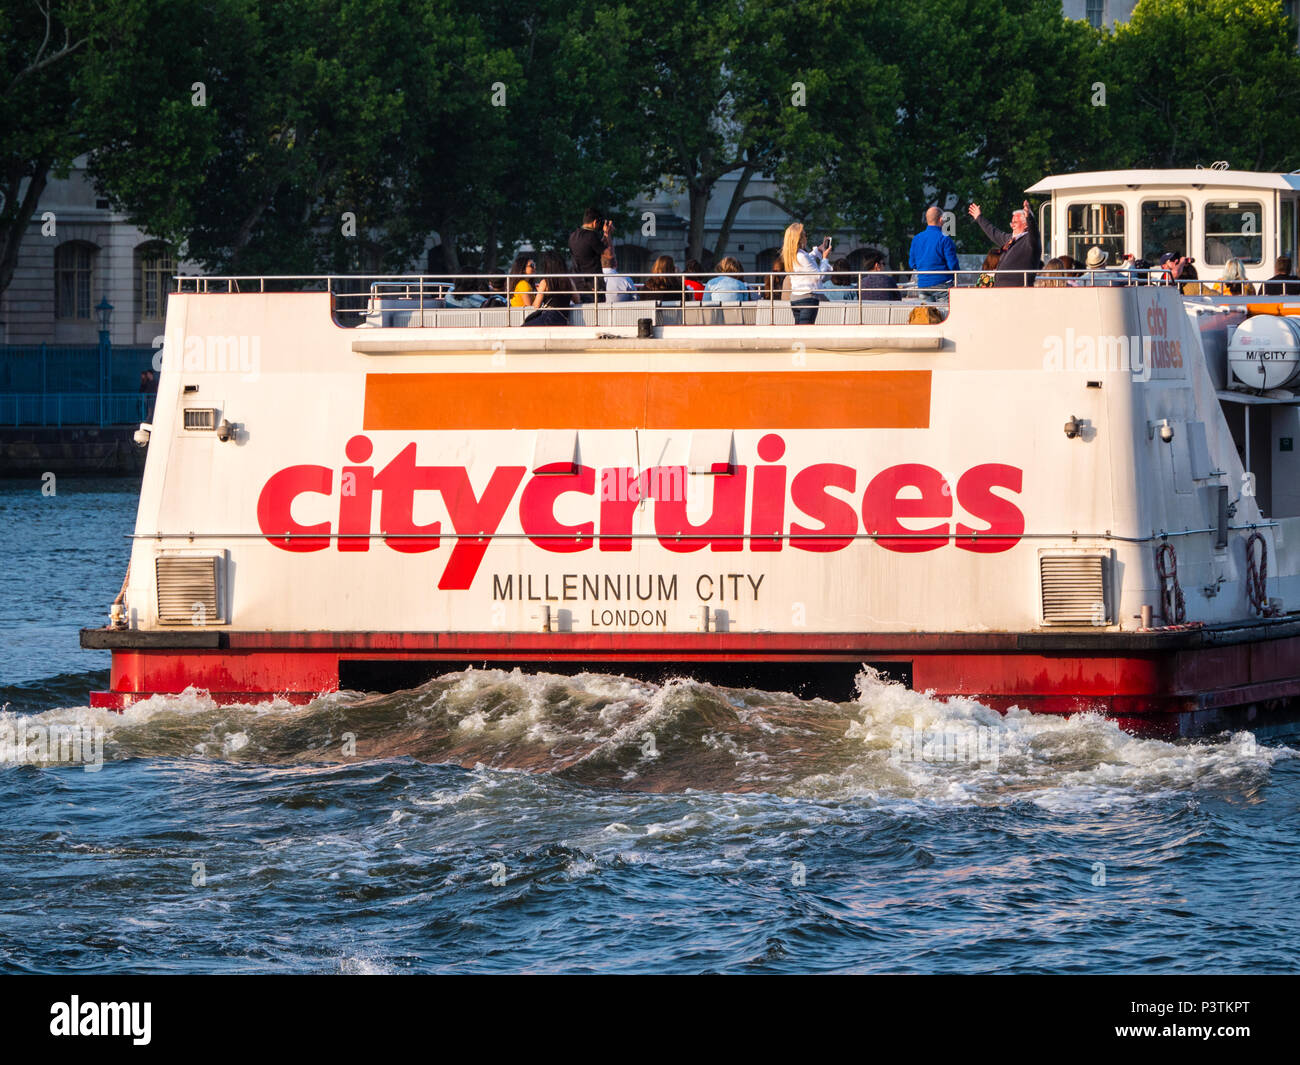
<point>850,297</point>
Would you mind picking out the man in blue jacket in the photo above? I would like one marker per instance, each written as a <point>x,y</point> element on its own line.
<point>932,249</point>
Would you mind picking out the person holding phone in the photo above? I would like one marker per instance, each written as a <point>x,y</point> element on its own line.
<point>807,270</point>
<point>586,244</point>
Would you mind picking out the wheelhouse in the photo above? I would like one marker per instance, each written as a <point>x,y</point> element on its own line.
<point>1210,215</point>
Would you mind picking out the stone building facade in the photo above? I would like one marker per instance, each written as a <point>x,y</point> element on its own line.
<point>77,252</point>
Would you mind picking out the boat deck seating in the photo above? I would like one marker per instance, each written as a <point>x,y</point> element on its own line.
<point>391,313</point>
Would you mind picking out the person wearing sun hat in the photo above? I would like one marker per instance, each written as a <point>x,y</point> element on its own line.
<point>1093,274</point>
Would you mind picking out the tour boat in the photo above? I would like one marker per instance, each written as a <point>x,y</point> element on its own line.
<point>1063,499</point>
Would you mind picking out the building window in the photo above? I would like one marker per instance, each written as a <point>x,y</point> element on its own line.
<point>74,265</point>
<point>1234,230</point>
<point>1094,11</point>
<point>154,268</point>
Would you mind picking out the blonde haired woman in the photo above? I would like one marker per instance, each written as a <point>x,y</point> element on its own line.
<point>1233,282</point>
<point>806,270</point>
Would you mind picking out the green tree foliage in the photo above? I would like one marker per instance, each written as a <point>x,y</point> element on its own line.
<point>241,129</point>
<point>759,87</point>
<point>249,132</point>
<point>41,47</point>
<point>1194,81</point>
<point>996,93</point>
<point>531,126</point>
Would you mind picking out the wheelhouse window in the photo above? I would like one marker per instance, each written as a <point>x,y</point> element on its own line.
<point>1234,230</point>
<point>1164,229</point>
<point>74,268</point>
<point>1090,225</point>
<point>154,268</point>
<point>1286,230</point>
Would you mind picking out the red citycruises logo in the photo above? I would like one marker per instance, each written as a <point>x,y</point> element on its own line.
<point>828,517</point>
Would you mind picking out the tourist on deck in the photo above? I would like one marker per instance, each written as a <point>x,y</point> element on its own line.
<point>1277,285</point>
<point>554,295</point>
<point>664,283</point>
<point>933,250</point>
<point>776,285</point>
<point>875,283</point>
<point>1052,275</point>
<point>1072,267</point>
<point>988,268</point>
<point>521,270</point>
<point>1191,284</point>
<point>618,287</point>
<point>1233,282</point>
<point>728,285</point>
<point>586,243</point>
<point>1022,254</point>
<point>694,286</point>
<point>1094,276</point>
<point>1171,268</point>
<point>806,269</point>
<point>495,291</point>
<point>840,284</point>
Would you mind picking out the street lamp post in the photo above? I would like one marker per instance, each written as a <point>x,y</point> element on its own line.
<point>104,310</point>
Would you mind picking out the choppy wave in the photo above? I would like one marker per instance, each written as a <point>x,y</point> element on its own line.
<point>888,744</point>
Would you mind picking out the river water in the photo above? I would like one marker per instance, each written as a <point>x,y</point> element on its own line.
<point>508,822</point>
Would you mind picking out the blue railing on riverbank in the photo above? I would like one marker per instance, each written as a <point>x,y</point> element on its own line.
<point>47,368</point>
<point>74,408</point>
<point>55,385</point>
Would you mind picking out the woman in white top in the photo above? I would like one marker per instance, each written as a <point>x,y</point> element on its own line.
<point>806,271</point>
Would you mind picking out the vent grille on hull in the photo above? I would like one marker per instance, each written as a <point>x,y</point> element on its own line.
<point>1073,589</point>
<point>200,418</point>
<point>187,589</point>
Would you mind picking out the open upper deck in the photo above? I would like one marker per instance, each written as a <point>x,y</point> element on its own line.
<point>489,302</point>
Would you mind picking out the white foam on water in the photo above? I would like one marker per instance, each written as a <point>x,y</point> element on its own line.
<point>888,745</point>
<point>958,751</point>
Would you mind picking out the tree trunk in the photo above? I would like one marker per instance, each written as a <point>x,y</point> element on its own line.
<point>733,209</point>
<point>700,191</point>
<point>15,227</point>
<point>450,260</point>
<point>490,249</point>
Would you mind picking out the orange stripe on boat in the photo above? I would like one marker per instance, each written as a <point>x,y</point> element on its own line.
<point>808,399</point>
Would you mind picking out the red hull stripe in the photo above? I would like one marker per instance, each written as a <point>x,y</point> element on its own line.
<point>1132,683</point>
<point>807,399</point>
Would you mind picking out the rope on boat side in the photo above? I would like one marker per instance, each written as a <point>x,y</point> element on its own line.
<point>1171,593</point>
<point>1257,576</point>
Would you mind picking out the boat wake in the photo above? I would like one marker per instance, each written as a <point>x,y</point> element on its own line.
<point>613,732</point>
